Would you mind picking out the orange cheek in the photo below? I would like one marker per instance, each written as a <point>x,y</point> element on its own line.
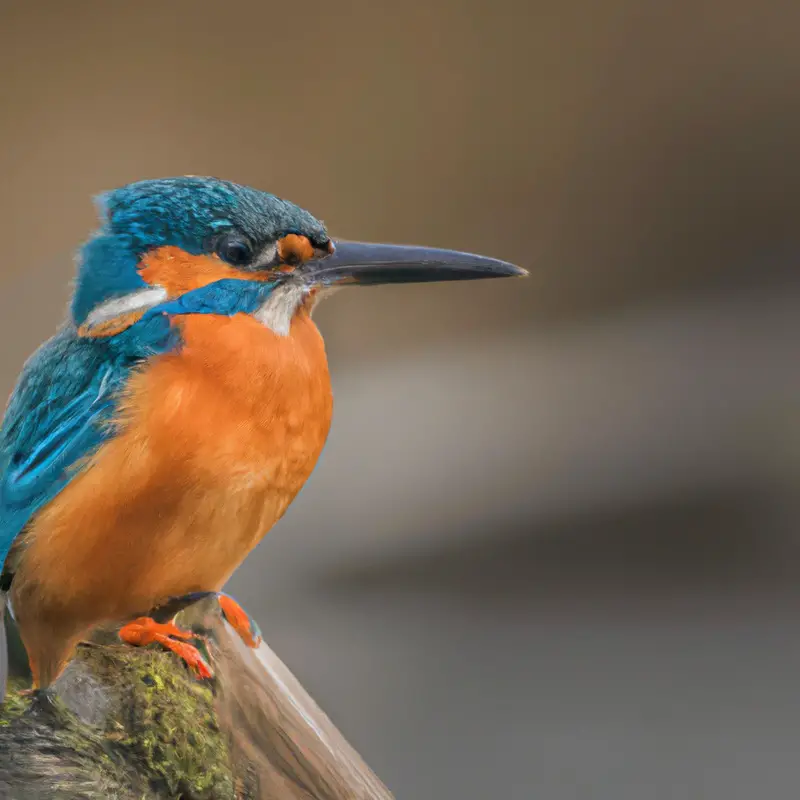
<point>178,271</point>
<point>294,249</point>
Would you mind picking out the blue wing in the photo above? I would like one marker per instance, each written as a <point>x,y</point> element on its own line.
<point>62,408</point>
<point>61,411</point>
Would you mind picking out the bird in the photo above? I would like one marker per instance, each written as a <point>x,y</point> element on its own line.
<point>153,441</point>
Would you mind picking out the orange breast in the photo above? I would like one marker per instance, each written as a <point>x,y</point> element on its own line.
<point>217,441</point>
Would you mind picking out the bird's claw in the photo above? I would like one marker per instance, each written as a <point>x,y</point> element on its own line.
<point>145,630</point>
<point>191,656</point>
<point>239,620</point>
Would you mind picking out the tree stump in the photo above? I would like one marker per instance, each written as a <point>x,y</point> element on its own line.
<point>126,723</point>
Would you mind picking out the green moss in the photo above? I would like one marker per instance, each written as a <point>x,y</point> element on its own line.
<point>14,703</point>
<point>46,751</point>
<point>121,722</point>
<point>170,729</point>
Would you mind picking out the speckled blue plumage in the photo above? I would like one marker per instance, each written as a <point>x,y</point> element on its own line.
<point>62,408</point>
<point>183,212</point>
<point>107,269</point>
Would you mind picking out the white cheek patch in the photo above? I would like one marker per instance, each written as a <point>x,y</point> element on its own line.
<point>279,308</point>
<point>135,301</point>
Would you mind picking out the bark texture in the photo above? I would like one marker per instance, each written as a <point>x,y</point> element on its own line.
<point>126,723</point>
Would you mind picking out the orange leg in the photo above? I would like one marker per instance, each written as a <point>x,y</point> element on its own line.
<point>239,620</point>
<point>145,630</point>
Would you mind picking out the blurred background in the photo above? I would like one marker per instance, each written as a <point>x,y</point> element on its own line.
<point>551,549</point>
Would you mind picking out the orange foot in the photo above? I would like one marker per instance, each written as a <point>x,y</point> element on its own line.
<point>239,620</point>
<point>145,630</point>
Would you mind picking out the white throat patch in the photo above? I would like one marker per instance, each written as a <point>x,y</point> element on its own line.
<point>279,308</point>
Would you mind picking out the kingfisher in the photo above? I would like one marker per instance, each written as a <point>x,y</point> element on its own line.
<point>153,441</point>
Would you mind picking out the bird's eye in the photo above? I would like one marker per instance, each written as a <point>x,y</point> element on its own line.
<point>235,249</point>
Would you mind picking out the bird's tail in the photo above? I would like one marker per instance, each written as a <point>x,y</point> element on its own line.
<point>3,648</point>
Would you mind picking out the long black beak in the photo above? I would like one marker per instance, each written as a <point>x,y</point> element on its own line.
<point>363,263</point>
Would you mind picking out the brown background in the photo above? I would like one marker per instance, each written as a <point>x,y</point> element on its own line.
<point>550,550</point>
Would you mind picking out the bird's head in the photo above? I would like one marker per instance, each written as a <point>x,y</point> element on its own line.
<point>163,239</point>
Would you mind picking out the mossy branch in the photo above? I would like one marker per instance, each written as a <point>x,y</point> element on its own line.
<point>129,723</point>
